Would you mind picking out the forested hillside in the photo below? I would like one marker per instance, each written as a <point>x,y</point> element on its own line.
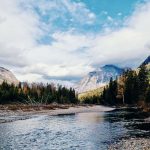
<point>130,88</point>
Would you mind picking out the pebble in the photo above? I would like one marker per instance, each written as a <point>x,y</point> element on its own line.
<point>131,144</point>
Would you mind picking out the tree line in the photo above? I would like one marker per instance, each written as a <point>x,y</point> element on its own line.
<point>132,87</point>
<point>36,93</point>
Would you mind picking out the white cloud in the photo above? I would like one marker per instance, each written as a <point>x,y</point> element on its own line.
<point>126,44</point>
<point>104,12</point>
<point>79,12</point>
<point>18,32</point>
<point>70,54</point>
<point>109,18</point>
<point>119,14</point>
<point>65,10</point>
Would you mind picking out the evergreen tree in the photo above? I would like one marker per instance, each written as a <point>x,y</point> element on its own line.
<point>110,93</point>
<point>143,82</point>
<point>131,88</point>
<point>148,95</point>
<point>36,93</point>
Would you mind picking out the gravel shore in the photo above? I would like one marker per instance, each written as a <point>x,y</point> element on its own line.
<point>132,144</point>
<point>7,115</point>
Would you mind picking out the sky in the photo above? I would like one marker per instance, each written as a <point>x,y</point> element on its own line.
<point>63,40</point>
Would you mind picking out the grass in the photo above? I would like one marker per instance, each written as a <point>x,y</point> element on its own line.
<point>39,107</point>
<point>24,107</point>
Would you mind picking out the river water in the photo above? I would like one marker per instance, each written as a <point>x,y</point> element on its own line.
<point>82,131</point>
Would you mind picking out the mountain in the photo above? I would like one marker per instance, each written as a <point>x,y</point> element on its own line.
<point>147,61</point>
<point>8,76</point>
<point>98,78</point>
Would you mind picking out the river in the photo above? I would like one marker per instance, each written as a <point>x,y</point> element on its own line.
<point>82,131</point>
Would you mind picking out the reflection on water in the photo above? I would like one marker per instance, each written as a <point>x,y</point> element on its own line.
<point>90,118</point>
<point>83,131</point>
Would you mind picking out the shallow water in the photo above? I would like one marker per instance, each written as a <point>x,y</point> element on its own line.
<point>83,131</point>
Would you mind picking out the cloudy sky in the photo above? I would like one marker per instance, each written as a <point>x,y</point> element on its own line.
<point>44,40</point>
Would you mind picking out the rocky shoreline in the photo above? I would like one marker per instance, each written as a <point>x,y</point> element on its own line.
<point>131,144</point>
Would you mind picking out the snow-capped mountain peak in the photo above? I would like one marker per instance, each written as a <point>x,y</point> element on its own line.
<point>98,78</point>
<point>8,76</point>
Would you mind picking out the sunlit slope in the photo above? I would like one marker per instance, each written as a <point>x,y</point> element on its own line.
<point>91,93</point>
<point>148,67</point>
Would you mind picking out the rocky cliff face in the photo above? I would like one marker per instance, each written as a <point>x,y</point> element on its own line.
<point>8,76</point>
<point>98,78</point>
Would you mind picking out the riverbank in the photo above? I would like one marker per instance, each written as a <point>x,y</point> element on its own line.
<point>132,144</point>
<point>9,113</point>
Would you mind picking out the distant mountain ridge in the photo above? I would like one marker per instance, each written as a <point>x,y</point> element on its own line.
<point>8,76</point>
<point>98,78</point>
<point>147,61</point>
